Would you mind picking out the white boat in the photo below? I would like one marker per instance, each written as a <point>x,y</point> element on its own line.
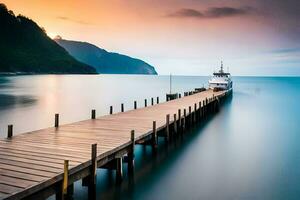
<point>220,80</point>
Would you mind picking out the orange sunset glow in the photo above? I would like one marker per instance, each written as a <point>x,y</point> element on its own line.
<point>174,34</point>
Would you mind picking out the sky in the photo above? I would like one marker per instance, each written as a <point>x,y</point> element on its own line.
<point>183,37</point>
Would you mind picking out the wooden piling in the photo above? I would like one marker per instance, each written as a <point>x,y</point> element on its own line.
<point>145,102</point>
<point>154,137</point>
<point>9,131</point>
<point>93,178</point>
<point>184,120</point>
<point>190,116</point>
<point>157,100</point>
<point>65,179</point>
<point>131,154</point>
<point>152,101</point>
<point>122,107</point>
<point>199,111</point>
<point>179,95</point>
<point>56,121</point>
<point>203,109</point>
<point>135,105</point>
<point>179,121</point>
<point>175,124</point>
<point>111,110</point>
<point>119,170</point>
<point>93,114</point>
<point>195,112</point>
<point>167,127</point>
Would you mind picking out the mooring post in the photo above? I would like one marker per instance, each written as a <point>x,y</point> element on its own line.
<point>179,121</point>
<point>167,127</point>
<point>154,137</point>
<point>195,112</point>
<point>203,109</point>
<point>111,110</point>
<point>145,102</point>
<point>157,100</point>
<point>9,131</point>
<point>199,119</point>
<point>175,123</point>
<point>122,107</point>
<point>152,101</point>
<point>190,116</point>
<point>131,154</point>
<point>119,170</point>
<point>56,121</point>
<point>65,179</point>
<point>135,105</point>
<point>206,106</point>
<point>93,114</point>
<point>184,120</point>
<point>94,164</point>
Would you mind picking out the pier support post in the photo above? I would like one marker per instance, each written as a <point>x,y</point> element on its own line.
<point>217,104</point>
<point>195,113</point>
<point>135,105</point>
<point>190,116</point>
<point>65,179</point>
<point>131,154</point>
<point>184,121</point>
<point>206,106</point>
<point>94,164</point>
<point>175,124</point>
<point>93,114</point>
<point>199,111</point>
<point>9,131</point>
<point>167,127</point>
<point>122,107</point>
<point>203,109</point>
<point>56,120</point>
<point>179,128</point>
<point>154,138</point>
<point>111,110</point>
<point>119,170</point>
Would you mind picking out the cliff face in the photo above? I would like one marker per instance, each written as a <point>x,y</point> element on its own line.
<point>26,48</point>
<point>105,62</point>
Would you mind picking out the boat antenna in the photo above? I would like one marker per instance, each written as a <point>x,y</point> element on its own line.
<point>221,66</point>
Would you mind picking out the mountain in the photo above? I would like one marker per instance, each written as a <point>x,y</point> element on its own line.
<point>26,48</point>
<point>105,62</point>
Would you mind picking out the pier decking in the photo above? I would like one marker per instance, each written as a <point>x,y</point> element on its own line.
<point>49,161</point>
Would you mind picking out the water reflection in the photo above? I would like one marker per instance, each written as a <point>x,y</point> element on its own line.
<point>8,101</point>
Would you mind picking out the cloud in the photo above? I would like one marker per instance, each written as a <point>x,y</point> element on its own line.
<point>73,20</point>
<point>287,50</point>
<point>213,12</point>
<point>186,12</point>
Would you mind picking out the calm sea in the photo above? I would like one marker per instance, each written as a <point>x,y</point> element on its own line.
<point>249,150</point>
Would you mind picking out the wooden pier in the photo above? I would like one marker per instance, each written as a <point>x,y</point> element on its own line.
<point>41,163</point>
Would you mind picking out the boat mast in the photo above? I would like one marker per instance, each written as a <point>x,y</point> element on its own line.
<point>221,67</point>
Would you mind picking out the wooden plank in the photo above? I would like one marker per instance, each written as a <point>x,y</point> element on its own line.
<point>20,183</point>
<point>7,189</point>
<point>27,170</point>
<point>21,175</point>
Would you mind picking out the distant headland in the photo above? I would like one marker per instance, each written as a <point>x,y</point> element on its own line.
<point>25,48</point>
